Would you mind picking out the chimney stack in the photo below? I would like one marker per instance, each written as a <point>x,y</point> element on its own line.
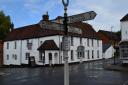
<point>12,26</point>
<point>45,17</point>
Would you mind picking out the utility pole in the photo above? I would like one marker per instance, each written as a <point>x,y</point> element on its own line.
<point>66,47</point>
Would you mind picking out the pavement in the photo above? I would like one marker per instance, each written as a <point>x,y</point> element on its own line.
<point>117,67</point>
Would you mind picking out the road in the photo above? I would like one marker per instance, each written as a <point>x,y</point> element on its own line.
<point>89,73</point>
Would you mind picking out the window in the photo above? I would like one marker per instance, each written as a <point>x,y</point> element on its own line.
<point>7,57</point>
<point>41,42</point>
<point>29,44</point>
<point>98,43</point>
<point>126,32</point>
<point>41,56</point>
<point>71,41</point>
<point>72,55</point>
<point>92,54</point>
<point>78,55</point>
<point>27,56</point>
<point>15,45</point>
<point>15,57</point>
<point>7,45</point>
<point>88,54</point>
<point>80,40</point>
<point>87,42</point>
<point>92,42</point>
<point>97,53</point>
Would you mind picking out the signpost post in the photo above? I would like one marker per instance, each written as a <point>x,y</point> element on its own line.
<point>76,18</point>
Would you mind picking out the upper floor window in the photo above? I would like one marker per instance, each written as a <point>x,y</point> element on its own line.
<point>87,42</point>
<point>80,40</point>
<point>7,45</point>
<point>71,41</point>
<point>92,42</point>
<point>98,43</point>
<point>15,44</point>
<point>29,44</point>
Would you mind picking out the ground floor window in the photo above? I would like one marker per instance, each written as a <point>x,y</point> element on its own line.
<point>88,54</point>
<point>98,54</point>
<point>7,57</point>
<point>72,55</point>
<point>92,54</point>
<point>27,56</point>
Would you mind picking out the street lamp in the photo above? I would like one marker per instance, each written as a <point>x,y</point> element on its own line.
<point>65,44</point>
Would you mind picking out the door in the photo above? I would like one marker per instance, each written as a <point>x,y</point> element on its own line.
<point>50,59</point>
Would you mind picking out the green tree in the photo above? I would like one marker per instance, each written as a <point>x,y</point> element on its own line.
<point>5,25</point>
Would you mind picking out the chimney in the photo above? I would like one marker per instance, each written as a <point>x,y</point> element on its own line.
<point>59,19</point>
<point>45,17</point>
<point>11,26</point>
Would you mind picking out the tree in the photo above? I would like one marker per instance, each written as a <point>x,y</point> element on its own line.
<point>5,25</point>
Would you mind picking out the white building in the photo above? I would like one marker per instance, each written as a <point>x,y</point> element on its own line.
<point>42,43</point>
<point>108,51</point>
<point>124,39</point>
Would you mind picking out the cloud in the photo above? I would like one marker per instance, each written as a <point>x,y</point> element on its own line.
<point>109,12</point>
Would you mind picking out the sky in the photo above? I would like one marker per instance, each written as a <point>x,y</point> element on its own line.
<point>27,12</point>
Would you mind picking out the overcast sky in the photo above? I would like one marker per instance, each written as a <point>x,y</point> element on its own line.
<point>27,12</point>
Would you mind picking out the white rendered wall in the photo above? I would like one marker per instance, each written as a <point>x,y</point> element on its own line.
<point>11,51</point>
<point>124,30</point>
<point>22,50</point>
<point>109,53</point>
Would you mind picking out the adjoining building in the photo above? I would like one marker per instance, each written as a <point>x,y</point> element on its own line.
<point>42,44</point>
<point>123,46</point>
<point>1,52</point>
<point>110,42</point>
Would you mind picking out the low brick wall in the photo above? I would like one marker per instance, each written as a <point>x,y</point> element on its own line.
<point>1,53</point>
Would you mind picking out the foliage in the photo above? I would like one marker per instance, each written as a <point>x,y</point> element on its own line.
<point>5,25</point>
<point>118,33</point>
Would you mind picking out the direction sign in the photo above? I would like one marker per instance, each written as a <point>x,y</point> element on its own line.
<point>82,17</point>
<point>56,26</point>
<point>79,17</point>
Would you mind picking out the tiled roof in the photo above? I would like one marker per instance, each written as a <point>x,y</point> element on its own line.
<point>105,47</point>
<point>125,18</point>
<point>87,29</point>
<point>110,35</point>
<point>35,31</point>
<point>31,31</point>
<point>48,45</point>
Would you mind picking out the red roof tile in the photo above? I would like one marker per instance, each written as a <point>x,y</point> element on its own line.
<point>48,45</point>
<point>35,31</point>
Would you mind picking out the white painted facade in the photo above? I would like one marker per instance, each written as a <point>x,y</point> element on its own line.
<point>124,31</point>
<point>124,38</point>
<point>109,53</point>
<point>17,56</point>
